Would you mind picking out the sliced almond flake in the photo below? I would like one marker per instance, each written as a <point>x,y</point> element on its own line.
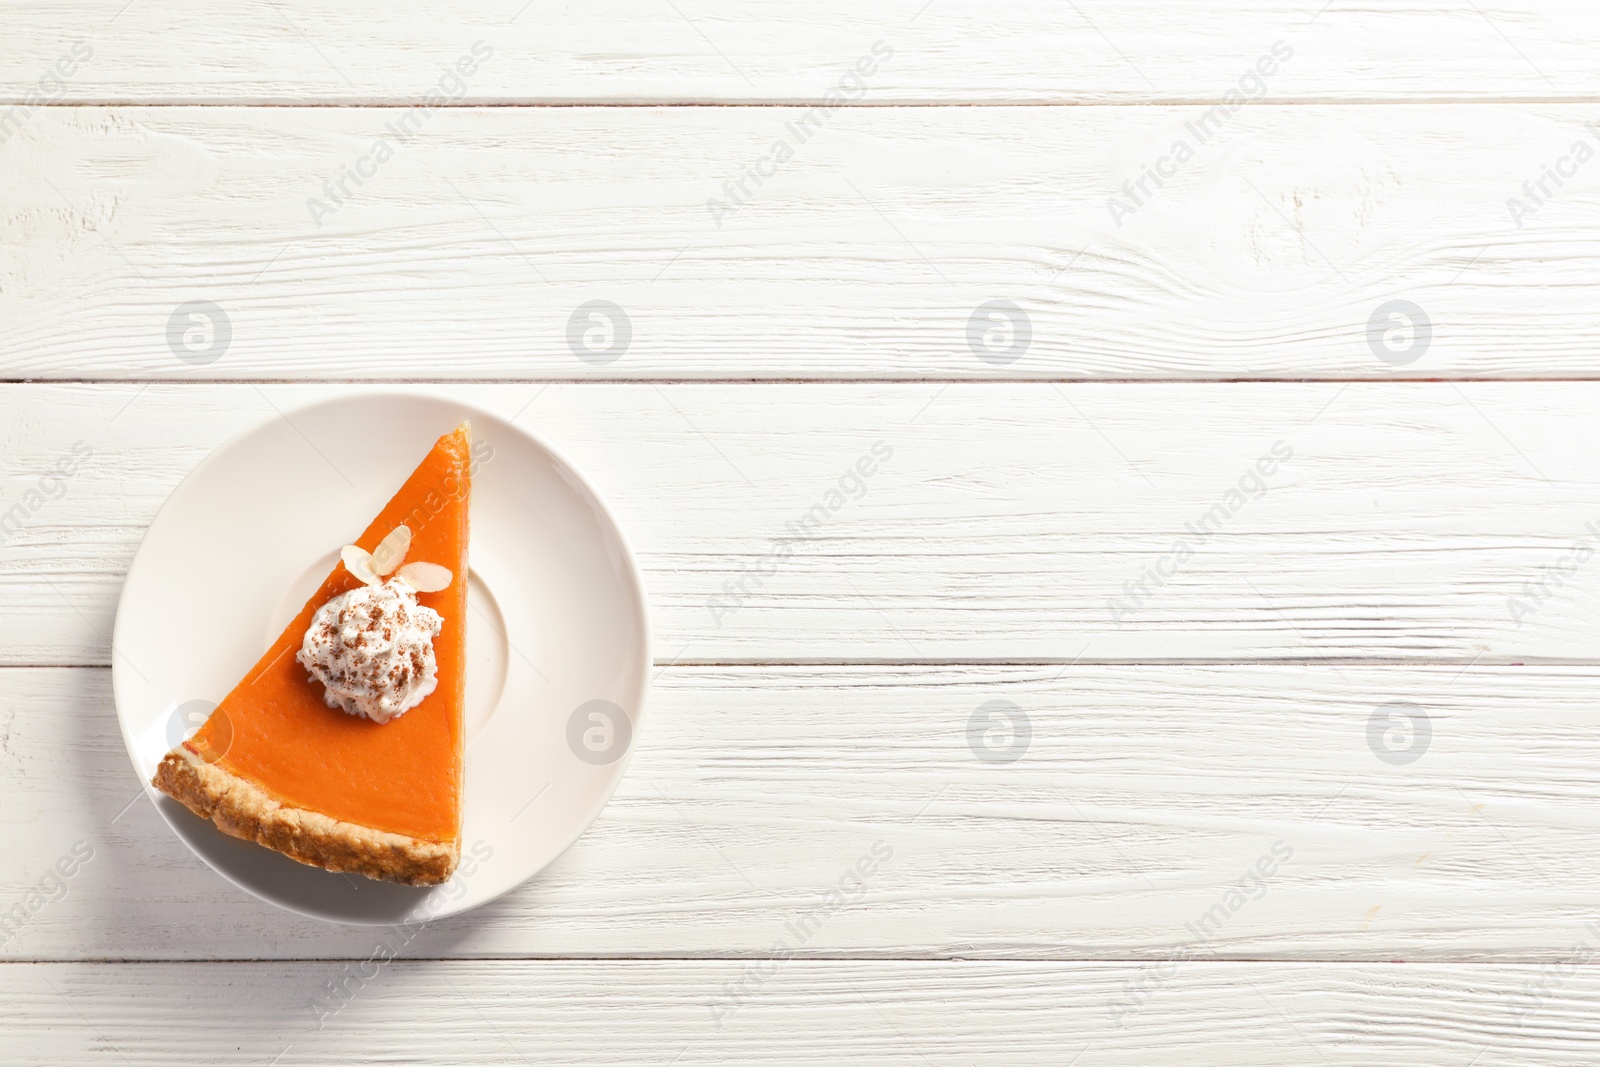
<point>358,561</point>
<point>426,577</point>
<point>391,551</point>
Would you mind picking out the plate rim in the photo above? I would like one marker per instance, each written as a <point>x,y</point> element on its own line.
<point>640,603</point>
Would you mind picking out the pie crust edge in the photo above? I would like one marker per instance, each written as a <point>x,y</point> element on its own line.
<point>243,809</point>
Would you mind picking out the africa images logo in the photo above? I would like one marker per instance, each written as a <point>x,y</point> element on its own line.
<point>852,85</point>
<point>1251,87</point>
<point>52,485</point>
<point>599,732</point>
<point>1251,485</point>
<point>451,86</point>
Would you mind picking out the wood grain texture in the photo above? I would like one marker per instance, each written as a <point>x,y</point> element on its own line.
<point>946,51</point>
<point>1140,799</point>
<point>1090,901</point>
<point>468,252</point>
<point>1412,521</point>
<point>804,1012</point>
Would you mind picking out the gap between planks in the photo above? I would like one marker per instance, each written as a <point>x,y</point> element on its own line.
<point>396,103</point>
<point>1058,661</point>
<point>987,379</point>
<point>834,957</point>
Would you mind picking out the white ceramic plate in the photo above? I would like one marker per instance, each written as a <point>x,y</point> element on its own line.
<point>558,636</point>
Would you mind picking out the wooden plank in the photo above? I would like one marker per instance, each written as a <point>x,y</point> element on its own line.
<point>869,1012</point>
<point>946,51</point>
<point>1139,802</point>
<point>475,247</point>
<point>1012,522</point>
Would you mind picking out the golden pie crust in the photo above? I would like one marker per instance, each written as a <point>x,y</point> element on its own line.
<point>241,808</point>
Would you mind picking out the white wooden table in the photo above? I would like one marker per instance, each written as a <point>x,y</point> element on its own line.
<point>1245,505</point>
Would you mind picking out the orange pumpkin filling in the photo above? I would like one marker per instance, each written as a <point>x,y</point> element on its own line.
<point>403,776</point>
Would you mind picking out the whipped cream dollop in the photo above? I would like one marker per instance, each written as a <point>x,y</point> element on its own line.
<point>372,649</point>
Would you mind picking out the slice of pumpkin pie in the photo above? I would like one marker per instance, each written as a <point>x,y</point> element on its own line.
<point>342,748</point>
